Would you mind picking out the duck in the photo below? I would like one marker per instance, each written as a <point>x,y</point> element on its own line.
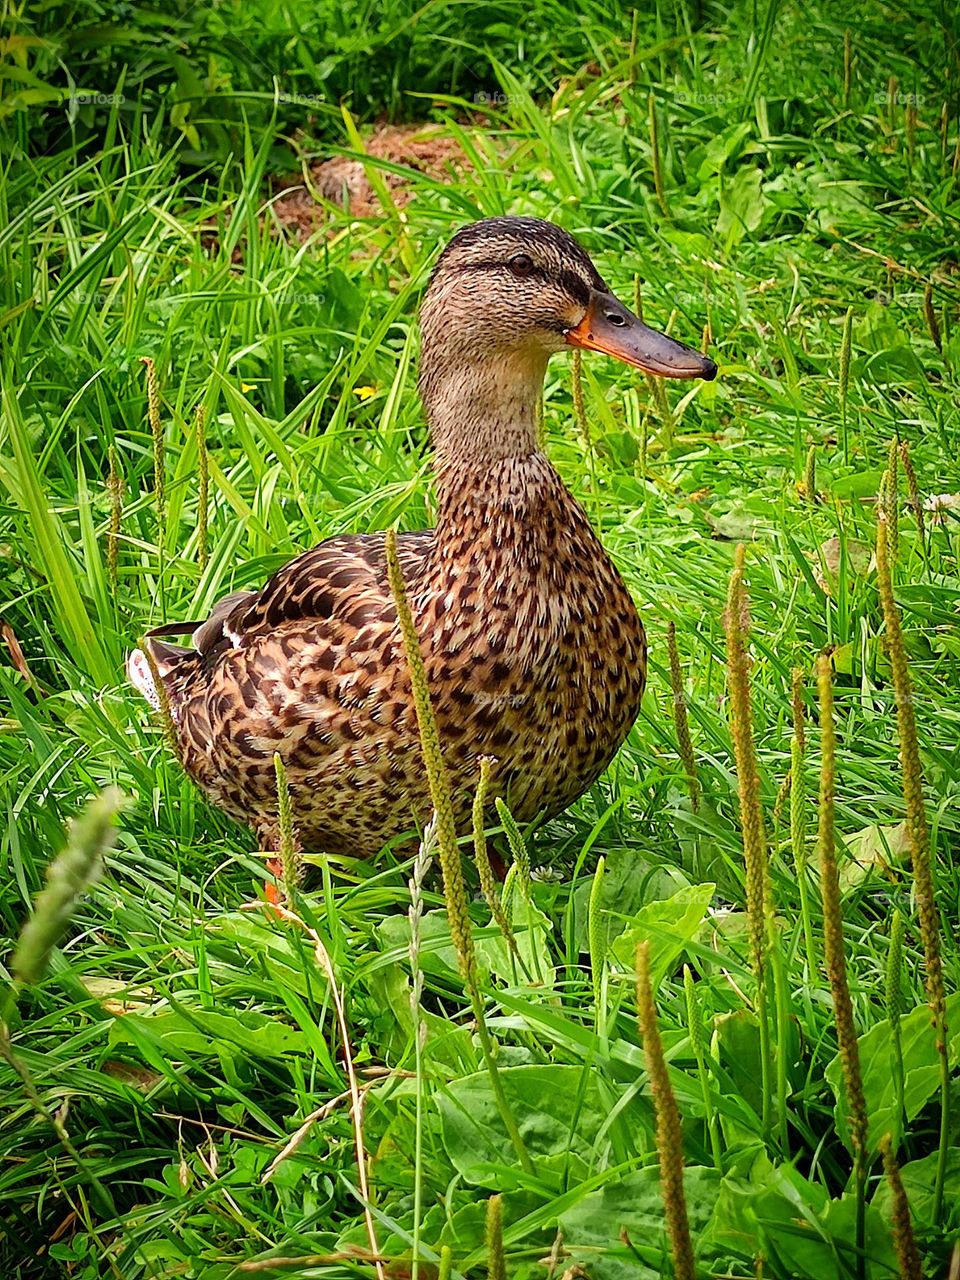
<point>535,653</point>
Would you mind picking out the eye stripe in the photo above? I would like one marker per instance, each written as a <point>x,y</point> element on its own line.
<point>572,284</point>
<point>575,286</point>
<point>497,264</point>
<point>506,234</point>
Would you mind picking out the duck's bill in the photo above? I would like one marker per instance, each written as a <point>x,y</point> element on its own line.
<point>612,328</point>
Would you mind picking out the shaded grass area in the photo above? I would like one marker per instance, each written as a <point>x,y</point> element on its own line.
<point>183,1039</point>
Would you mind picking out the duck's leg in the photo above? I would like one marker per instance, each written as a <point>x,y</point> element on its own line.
<point>270,891</point>
<point>268,842</point>
<point>498,863</point>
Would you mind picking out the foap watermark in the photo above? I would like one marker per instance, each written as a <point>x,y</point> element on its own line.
<point>896,98</point>
<point>77,99</point>
<point>302,99</point>
<point>907,299</point>
<point>697,98</point>
<point>491,98</point>
<point>499,701</point>
<point>94,299</point>
<point>688,298</point>
<point>295,298</point>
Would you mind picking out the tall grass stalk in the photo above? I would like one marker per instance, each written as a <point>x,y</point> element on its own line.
<point>944,131</point>
<point>893,998</point>
<point>488,883</point>
<point>669,1135</point>
<point>579,407</point>
<point>798,819</point>
<point>834,956</point>
<point>115,494</point>
<point>454,889</point>
<point>421,865</point>
<point>325,964</point>
<point>904,1240</point>
<point>889,506</point>
<point>655,156</point>
<point>913,489</point>
<point>847,65</point>
<point>680,719</point>
<point>288,844</point>
<point>810,475</point>
<point>159,461</point>
<point>518,846</point>
<point>698,1042</point>
<point>893,98</point>
<point>90,836</point>
<point>658,394</point>
<point>597,935</point>
<point>203,491</point>
<point>664,412</point>
<point>846,347</point>
<point>164,710</point>
<point>521,864</point>
<point>580,413</point>
<point>918,838</point>
<point>736,621</point>
<point>496,1264</point>
<point>930,315</point>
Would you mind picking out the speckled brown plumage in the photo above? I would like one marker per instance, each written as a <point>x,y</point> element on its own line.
<point>533,647</point>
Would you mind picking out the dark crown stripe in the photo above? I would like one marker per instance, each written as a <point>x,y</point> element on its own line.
<point>529,232</point>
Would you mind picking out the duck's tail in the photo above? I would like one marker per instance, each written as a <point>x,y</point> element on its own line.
<point>166,659</point>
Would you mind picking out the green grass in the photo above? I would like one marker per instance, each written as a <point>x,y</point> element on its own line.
<point>183,1039</point>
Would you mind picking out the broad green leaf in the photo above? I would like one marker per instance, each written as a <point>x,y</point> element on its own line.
<point>560,1111</point>
<point>618,1232</point>
<point>205,1032</point>
<point>742,203</point>
<point>921,1069</point>
<point>711,158</point>
<point>631,880</point>
<point>919,1182</point>
<point>799,1230</point>
<point>286,962</point>
<point>736,1046</point>
<point>669,926</point>
<point>438,954</point>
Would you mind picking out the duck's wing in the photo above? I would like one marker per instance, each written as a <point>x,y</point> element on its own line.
<point>342,579</point>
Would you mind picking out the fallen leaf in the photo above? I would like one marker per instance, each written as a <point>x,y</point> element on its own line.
<point>118,997</point>
<point>140,1078</point>
<point>874,848</point>
<point>825,562</point>
<point>735,525</point>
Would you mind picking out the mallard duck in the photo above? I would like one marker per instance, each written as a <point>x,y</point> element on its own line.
<point>535,653</point>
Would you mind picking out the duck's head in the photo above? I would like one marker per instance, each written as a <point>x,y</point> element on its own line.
<point>505,294</point>
<point>509,283</point>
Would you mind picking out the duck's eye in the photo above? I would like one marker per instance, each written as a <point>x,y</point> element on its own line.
<point>521,265</point>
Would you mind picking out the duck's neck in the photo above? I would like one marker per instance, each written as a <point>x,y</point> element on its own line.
<point>482,415</point>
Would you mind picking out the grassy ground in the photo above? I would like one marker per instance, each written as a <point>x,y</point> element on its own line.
<point>181,1039</point>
